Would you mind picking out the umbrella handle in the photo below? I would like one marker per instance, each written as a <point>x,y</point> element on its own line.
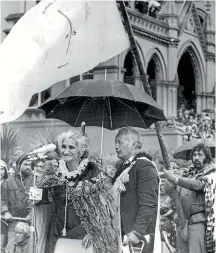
<point>83,125</point>
<point>101,144</point>
<point>102,133</point>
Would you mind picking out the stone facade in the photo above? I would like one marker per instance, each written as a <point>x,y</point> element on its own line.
<point>162,39</point>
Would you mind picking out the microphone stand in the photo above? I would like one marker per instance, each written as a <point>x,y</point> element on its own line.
<point>32,227</point>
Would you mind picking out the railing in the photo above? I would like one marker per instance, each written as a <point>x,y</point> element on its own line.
<point>147,23</point>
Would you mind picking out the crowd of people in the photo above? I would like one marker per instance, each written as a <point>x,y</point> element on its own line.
<point>104,202</point>
<point>194,126</point>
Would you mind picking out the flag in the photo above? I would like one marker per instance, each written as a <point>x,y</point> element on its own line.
<point>54,41</point>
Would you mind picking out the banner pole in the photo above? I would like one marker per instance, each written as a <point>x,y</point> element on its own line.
<point>143,77</point>
<point>147,89</point>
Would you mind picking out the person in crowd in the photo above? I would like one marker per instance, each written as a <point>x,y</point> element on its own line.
<point>15,196</point>
<point>206,128</point>
<point>191,119</point>
<point>194,131</point>
<point>196,194</point>
<point>21,241</point>
<point>43,208</point>
<point>80,191</point>
<point>168,229</point>
<point>186,116</point>
<point>188,133</point>
<point>4,176</point>
<point>12,169</point>
<point>141,187</point>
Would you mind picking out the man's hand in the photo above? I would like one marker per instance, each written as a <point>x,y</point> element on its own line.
<point>177,172</point>
<point>7,216</point>
<point>169,175</point>
<point>29,219</point>
<point>169,188</point>
<point>125,178</point>
<point>131,238</point>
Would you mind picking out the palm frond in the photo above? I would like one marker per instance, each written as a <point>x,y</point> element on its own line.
<point>10,145</point>
<point>49,136</point>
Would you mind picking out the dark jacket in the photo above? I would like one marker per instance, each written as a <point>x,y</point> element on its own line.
<point>14,247</point>
<point>140,200</point>
<point>14,197</point>
<point>192,197</point>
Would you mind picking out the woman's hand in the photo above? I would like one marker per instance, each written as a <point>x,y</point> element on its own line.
<point>100,165</point>
<point>86,242</point>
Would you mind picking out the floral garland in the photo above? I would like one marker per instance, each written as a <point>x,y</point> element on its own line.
<point>61,175</point>
<point>73,176</point>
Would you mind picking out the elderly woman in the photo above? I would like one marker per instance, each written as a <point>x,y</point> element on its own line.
<point>20,243</point>
<point>80,195</point>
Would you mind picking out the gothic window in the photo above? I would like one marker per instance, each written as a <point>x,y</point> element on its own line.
<point>202,16</point>
<point>201,20</point>
<point>129,69</point>
<point>151,74</point>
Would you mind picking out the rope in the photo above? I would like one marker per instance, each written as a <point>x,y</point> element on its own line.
<point>65,218</point>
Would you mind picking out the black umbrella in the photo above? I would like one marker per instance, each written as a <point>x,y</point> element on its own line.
<point>111,104</point>
<point>184,151</point>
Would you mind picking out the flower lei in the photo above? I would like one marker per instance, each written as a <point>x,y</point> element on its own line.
<point>61,175</point>
<point>73,176</point>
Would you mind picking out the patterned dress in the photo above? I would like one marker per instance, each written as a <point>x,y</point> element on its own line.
<point>85,200</point>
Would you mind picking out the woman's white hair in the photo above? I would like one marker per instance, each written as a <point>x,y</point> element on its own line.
<point>81,141</point>
<point>24,227</point>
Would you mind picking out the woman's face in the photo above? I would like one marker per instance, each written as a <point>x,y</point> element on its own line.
<point>69,150</point>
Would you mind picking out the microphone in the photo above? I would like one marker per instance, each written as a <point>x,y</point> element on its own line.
<point>41,152</point>
<point>49,156</point>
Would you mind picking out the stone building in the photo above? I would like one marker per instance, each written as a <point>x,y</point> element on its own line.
<point>177,46</point>
<point>176,42</point>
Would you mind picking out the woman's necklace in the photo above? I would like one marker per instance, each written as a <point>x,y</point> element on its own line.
<point>71,175</point>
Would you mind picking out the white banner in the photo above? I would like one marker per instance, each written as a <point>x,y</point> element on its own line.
<point>53,41</point>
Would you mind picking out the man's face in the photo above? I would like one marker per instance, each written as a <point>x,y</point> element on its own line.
<point>198,159</point>
<point>124,147</point>
<point>166,224</point>
<point>69,150</point>
<point>20,236</point>
<point>26,168</point>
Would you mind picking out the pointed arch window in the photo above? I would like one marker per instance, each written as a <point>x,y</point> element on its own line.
<point>129,64</point>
